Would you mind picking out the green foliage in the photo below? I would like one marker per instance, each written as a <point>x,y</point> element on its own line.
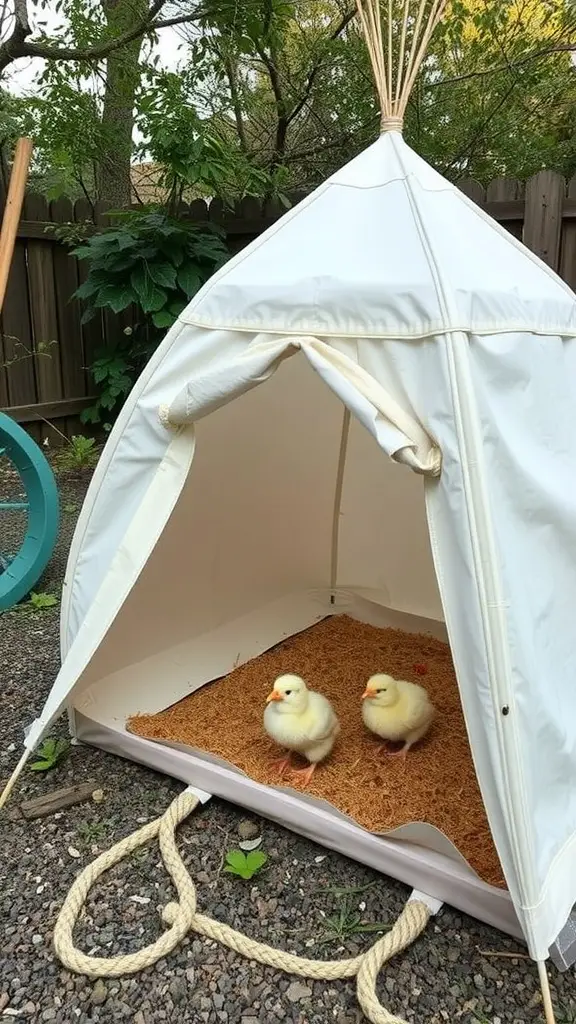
<point>245,865</point>
<point>50,753</point>
<point>40,602</point>
<point>195,155</point>
<point>94,831</point>
<point>150,265</point>
<point>79,453</point>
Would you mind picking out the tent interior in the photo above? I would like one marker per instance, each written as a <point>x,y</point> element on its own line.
<point>297,543</point>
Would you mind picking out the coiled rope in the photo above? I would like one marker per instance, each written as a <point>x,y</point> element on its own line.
<point>182,917</point>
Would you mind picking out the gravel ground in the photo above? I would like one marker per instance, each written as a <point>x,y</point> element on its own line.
<point>306,899</point>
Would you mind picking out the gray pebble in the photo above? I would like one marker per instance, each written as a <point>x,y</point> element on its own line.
<point>99,993</point>
<point>178,989</point>
<point>248,829</point>
<point>297,991</point>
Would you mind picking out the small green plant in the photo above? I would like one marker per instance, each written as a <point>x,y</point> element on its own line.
<point>50,753</point>
<point>93,831</point>
<point>79,452</point>
<point>245,865</point>
<point>347,921</point>
<point>40,602</point>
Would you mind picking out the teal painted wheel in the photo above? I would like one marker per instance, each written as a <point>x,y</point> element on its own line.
<point>29,513</point>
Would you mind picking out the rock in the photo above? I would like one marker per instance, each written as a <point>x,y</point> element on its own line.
<point>178,989</point>
<point>99,993</point>
<point>296,991</point>
<point>248,829</point>
<point>139,1018</point>
<point>191,976</point>
<point>218,1001</point>
<point>98,796</point>
<point>49,1014</point>
<point>4,1000</point>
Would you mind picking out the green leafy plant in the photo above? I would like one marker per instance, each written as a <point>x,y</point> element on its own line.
<point>347,921</point>
<point>93,831</point>
<point>146,266</point>
<point>79,452</point>
<point>245,865</point>
<point>50,753</point>
<point>40,602</point>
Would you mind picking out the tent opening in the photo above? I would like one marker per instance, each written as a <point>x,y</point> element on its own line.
<point>246,583</point>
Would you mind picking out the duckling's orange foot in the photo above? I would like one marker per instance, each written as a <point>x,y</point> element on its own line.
<point>398,753</point>
<point>282,765</point>
<point>305,773</point>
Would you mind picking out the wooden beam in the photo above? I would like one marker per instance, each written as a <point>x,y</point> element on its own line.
<point>49,410</point>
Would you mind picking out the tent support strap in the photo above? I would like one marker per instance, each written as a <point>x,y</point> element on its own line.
<point>182,917</point>
<point>546,993</point>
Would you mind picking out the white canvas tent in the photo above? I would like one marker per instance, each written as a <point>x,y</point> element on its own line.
<point>253,484</point>
<point>370,409</point>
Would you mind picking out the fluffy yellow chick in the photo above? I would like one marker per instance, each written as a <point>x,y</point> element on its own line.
<point>302,721</point>
<point>396,710</point>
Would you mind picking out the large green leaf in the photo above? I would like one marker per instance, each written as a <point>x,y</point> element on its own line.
<point>150,297</point>
<point>163,274</point>
<point>163,318</point>
<point>189,279</point>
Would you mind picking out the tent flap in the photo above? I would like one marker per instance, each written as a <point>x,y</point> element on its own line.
<point>396,431</point>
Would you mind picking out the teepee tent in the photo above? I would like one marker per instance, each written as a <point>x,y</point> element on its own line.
<point>369,409</point>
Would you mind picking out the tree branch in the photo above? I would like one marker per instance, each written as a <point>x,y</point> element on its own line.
<point>18,45</point>
<point>508,66</point>
<point>336,32</point>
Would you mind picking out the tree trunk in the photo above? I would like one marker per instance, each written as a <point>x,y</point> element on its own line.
<point>122,79</point>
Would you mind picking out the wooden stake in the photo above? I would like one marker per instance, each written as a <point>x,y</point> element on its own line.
<point>546,994</point>
<point>13,210</point>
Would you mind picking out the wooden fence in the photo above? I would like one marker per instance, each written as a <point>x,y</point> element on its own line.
<point>45,351</point>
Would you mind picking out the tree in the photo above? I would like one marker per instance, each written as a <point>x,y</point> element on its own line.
<point>21,38</point>
<point>292,84</point>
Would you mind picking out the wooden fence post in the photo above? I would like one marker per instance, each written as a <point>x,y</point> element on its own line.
<point>568,247</point>
<point>545,194</point>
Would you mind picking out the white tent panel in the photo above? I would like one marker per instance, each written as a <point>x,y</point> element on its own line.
<point>360,257</point>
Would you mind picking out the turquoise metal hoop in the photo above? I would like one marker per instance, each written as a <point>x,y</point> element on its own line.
<point>22,570</point>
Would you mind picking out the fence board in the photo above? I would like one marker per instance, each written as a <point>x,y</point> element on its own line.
<point>17,333</point>
<point>92,332</point>
<point>505,193</point>
<point>568,246</point>
<point>67,310</point>
<point>545,194</point>
<point>43,307</point>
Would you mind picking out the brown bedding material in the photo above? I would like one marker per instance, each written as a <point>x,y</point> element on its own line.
<point>437,783</point>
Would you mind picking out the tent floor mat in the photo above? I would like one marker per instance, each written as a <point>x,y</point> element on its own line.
<point>437,782</point>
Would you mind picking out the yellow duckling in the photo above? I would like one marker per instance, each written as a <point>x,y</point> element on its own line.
<point>302,721</point>
<point>396,710</point>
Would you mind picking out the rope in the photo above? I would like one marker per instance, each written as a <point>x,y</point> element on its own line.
<point>182,917</point>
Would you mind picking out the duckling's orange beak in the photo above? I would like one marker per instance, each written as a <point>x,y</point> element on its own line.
<point>274,696</point>
<point>368,693</point>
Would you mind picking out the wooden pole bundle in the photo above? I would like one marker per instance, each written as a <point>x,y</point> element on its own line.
<point>397,34</point>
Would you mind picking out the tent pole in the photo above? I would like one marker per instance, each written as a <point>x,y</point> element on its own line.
<point>13,209</point>
<point>14,778</point>
<point>338,503</point>
<point>546,994</point>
